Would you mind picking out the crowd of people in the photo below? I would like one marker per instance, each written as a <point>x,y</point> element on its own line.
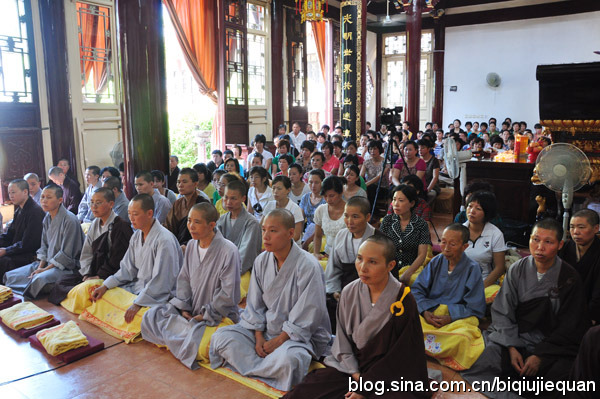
<point>326,244</point>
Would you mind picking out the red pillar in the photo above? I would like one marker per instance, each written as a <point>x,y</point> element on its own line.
<point>413,32</point>
<point>439,43</point>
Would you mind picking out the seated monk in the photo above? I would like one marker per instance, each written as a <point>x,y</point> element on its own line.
<point>151,264</point>
<point>449,294</point>
<point>105,244</point>
<point>341,270</point>
<point>144,184</point>
<point>285,322</point>
<point>121,201</point>
<point>176,221</point>
<point>207,294</point>
<point>22,239</point>
<point>241,228</point>
<point>377,327</point>
<point>538,318</point>
<point>58,255</point>
<point>70,189</point>
<point>92,178</point>
<point>582,251</point>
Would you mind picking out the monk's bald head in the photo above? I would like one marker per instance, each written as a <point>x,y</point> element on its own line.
<point>207,210</point>
<point>281,216</point>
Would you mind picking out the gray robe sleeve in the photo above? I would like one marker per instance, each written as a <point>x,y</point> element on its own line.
<point>421,287</point>
<point>85,260</point>
<point>167,264</point>
<point>333,271</point>
<point>67,256</point>
<point>42,252</point>
<point>83,209</point>
<point>342,345</point>
<point>306,314</point>
<point>250,245</point>
<point>254,316</point>
<point>505,330</point>
<point>127,271</point>
<point>228,295</point>
<point>183,295</point>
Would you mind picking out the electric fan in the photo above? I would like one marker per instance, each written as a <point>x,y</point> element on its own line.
<point>456,164</point>
<point>563,168</point>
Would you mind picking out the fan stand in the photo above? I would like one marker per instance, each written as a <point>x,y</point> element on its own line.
<point>567,200</point>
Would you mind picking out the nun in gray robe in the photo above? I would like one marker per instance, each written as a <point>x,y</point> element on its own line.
<point>245,232</point>
<point>62,240</point>
<point>542,315</point>
<point>150,267</point>
<point>84,212</point>
<point>290,299</point>
<point>208,285</point>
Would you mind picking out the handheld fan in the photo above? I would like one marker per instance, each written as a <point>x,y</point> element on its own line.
<point>456,164</point>
<point>563,168</point>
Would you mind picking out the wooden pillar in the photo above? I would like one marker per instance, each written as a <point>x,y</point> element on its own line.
<point>413,86</point>
<point>353,20</point>
<point>378,71</point>
<point>60,114</point>
<point>144,97</point>
<point>277,47</point>
<point>439,45</point>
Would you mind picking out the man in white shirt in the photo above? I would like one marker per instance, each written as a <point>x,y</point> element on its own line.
<point>297,136</point>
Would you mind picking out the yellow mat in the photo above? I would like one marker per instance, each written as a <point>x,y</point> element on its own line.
<point>456,345</point>
<point>62,338</point>
<point>245,284</point>
<point>490,293</point>
<point>24,315</point>
<point>78,299</point>
<point>255,384</point>
<point>204,348</point>
<point>108,313</point>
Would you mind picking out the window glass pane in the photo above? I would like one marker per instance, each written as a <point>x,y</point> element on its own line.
<point>395,83</point>
<point>395,45</point>
<point>256,17</point>
<point>298,99</point>
<point>95,53</point>
<point>15,72</point>
<point>256,69</point>
<point>423,82</point>
<point>235,66</point>
<point>426,42</point>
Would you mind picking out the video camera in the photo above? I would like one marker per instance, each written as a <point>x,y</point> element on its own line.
<point>390,116</point>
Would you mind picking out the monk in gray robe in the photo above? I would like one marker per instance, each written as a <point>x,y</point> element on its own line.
<point>208,290</point>
<point>538,318</point>
<point>22,239</point>
<point>35,191</point>
<point>106,242</point>
<point>379,338</point>
<point>62,239</point>
<point>144,184</point>
<point>92,178</point>
<point>150,266</point>
<point>241,228</point>
<point>285,322</point>
<point>70,188</point>
<point>341,270</point>
<point>121,202</point>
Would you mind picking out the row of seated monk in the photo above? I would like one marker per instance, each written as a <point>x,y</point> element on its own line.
<point>184,291</point>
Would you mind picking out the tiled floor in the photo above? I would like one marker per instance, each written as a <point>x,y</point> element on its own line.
<point>139,370</point>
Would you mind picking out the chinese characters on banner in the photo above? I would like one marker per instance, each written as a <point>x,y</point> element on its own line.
<point>351,18</point>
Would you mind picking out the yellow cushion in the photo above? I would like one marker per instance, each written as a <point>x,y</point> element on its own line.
<point>24,315</point>
<point>62,338</point>
<point>203,349</point>
<point>245,284</point>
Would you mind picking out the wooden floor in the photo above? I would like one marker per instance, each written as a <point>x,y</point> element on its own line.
<point>138,370</point>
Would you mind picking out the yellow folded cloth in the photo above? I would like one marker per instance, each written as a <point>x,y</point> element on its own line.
<point>78,299</point>
<point>245,284</point>
<point>62,338</point>
<point>24,315</point>
<point>490,293</point>
<point>5,293</point>
<point>456,345</point>
<point>108,313</point>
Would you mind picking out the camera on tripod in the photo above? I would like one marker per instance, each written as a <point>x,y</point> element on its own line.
<point>391,116</point>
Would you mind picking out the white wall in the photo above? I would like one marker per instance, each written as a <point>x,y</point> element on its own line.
<point>513,50</point>
<point>371,115</point>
